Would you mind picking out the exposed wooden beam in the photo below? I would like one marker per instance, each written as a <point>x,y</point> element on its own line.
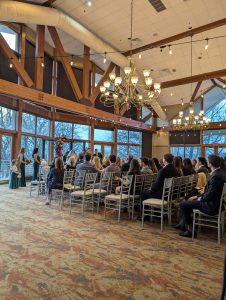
<point>195,91</point>
<point>15,62</point>
<point>54,77</point>
<point>32,95</point>
<point>39,56</point>
<point>65,62</point>
<point>147,117</point>
<point>96,90</point>
<point>195,78</point>
<point>22,47</point>
<point>86,68</point>
<point>221,80</point>
<point>179,36</point>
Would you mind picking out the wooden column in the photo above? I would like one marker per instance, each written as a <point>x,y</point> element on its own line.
<point>54,77</point>
<point>22,48</point>
<point>18,134</point>
<point>93,76</point>
<point>86,68</point>
<point>39,54</point>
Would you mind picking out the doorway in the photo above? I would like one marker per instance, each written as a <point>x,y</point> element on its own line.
<point>104,149</point>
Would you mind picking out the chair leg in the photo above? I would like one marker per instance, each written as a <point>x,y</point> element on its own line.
<point>219,232</point>
<point>193,226</point>
<point>119,213</point>
<point>143,216</point>
<point>162,219</point>
<point>70,204</point>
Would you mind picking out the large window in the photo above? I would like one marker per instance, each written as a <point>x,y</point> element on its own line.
<point>28,142</point>
<point>129,142</point>
<point>63,129</point>
<point>214,137</point>
<point>10,36</point>
<point>102,135</point>
<point>177,151</point>
<point>81,132</point>
<point>215,105</point>
<point>192,152</point>
<point>122,136</point>
<point>7,118</point>
<point>43,126</point>
<point>28,123</point>
<point>122,151</point>
<point>135,137</point>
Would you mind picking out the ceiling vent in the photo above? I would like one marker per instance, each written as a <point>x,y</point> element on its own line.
<point>158,5</point>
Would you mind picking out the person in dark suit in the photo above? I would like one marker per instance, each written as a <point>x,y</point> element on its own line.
<point>168,171</point>
<point>126,165</point>
<point>209,202</point>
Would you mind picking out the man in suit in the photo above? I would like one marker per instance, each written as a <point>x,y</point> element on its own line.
<point>209,202</point>
<point>126,165</point>
<point>113,168</point>
<point>86,166</point>
<point>168,171</point>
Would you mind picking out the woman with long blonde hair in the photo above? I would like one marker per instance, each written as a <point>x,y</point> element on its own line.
<point>97,163</point>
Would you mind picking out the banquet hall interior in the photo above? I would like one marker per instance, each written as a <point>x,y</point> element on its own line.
<point>112,149</point>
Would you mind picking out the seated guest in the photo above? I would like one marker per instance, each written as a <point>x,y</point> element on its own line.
<point>187,167</point>
<point>80,159</point>
<point>96,162</point>
<point>126,165</point>
<point>118,162</point>
<point>152,166</point>
<point>202,166</point>
<point>145,169</point>
<point>193,162</point>
<point>178,165</point>
<point>113,168</point>
<point>86,166</point>
<point>100,157</point>
<point>106,161</point>
<point>157,163</point>
<point>209,202</point>
<point>71,164</point>
<point>55,178</point>
<point>168,171</point>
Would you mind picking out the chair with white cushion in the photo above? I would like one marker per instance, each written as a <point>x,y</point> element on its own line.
<point>136,192</point>
<point>217,221</point>
<point>154,207</point>
<point>101,190</point>
<point>85,196</point>
<point>121,201</point>
<point>68,186</point>
<point>148,181</point>
<point>39,185</point>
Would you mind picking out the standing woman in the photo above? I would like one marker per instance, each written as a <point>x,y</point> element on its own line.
<point>36,164</point>
<point>22,163</point>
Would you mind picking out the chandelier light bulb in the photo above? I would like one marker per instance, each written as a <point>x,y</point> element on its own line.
<point>174,121</point>
<point>11,65</point>
<point>196,117</point>
<point>42,65</point>
<point>102,89</point>
<point>140,97</point>
<point>134,80</point>
<point>107,84</point>
<point>179,121</point>
<point>207,44</point>
<point>112,76</point>
<point>202,112</point>
<point>115,96</point>
<point>107,93</point>
<point>140,55</point>
<point>127,70</point>
<point>186,118</point>
<point>118,80</point>
<point>71,63</point>
<point>89,3</point>
<point>157,86</point>
<point>170,50</point>
<point>146,72</point>
<point>148,81</point>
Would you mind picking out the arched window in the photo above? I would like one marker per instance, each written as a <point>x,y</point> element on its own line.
<point>10,36</point>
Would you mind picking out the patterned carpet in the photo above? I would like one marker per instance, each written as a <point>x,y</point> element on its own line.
<point>48,254</point>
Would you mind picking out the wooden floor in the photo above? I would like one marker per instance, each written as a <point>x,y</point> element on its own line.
<point>48,254</point>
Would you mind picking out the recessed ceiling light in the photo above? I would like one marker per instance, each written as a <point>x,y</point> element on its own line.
<point>89,3</point>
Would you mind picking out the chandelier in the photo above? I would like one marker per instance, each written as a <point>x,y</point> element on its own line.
<point>125,91</point>
<point>191,121</point>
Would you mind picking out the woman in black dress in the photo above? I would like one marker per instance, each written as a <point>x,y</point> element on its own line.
<point>36,163</point>
<point>22,164</point>
<point>187,167</point>
<point>55,178</point>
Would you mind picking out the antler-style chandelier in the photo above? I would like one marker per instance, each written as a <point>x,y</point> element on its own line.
<point>190,121</point>
<point>122,91</point>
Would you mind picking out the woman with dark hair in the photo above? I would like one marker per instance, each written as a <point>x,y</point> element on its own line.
<point>55,178</point>
<point>178,165</point>
<point>22,164</point>
<point>36,163</point>
<point>187,167</point>
<point>193,162</point>
<point>134,168</point>
<point>157,163</point>
<point>152,166</point>
<point>202,165</point>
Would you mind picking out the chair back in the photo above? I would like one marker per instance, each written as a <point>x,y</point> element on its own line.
<point>126,184</point>
<point>175,192</point>
<point>222,206</point>
<point>148,180</point>
<point>90,180</point>
<point>183,186</point>
<point>154,177</point>
<point>68,177</point>
<point>191,183</point>
<point>137,185</point>
<point>105,182</point>
<point>167,189</point>
<point>80,178</point>
<point>113,182</point>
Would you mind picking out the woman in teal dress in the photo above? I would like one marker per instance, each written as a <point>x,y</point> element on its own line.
<point>22,164</point>
<point>36,164</point>
<point>14,174</point>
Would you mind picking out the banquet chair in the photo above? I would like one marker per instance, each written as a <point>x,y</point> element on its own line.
<point>121,201</point>
<point>39,185</point>
<point>154,207</point>
<point>216,221</point>
<point>114,181</point>
<point>136,192</point>
<point>68,186</point>
<point>85,196</point>
<point>148,180</point>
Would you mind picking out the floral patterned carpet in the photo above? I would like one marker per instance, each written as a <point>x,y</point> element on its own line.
<point>48,254</point>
